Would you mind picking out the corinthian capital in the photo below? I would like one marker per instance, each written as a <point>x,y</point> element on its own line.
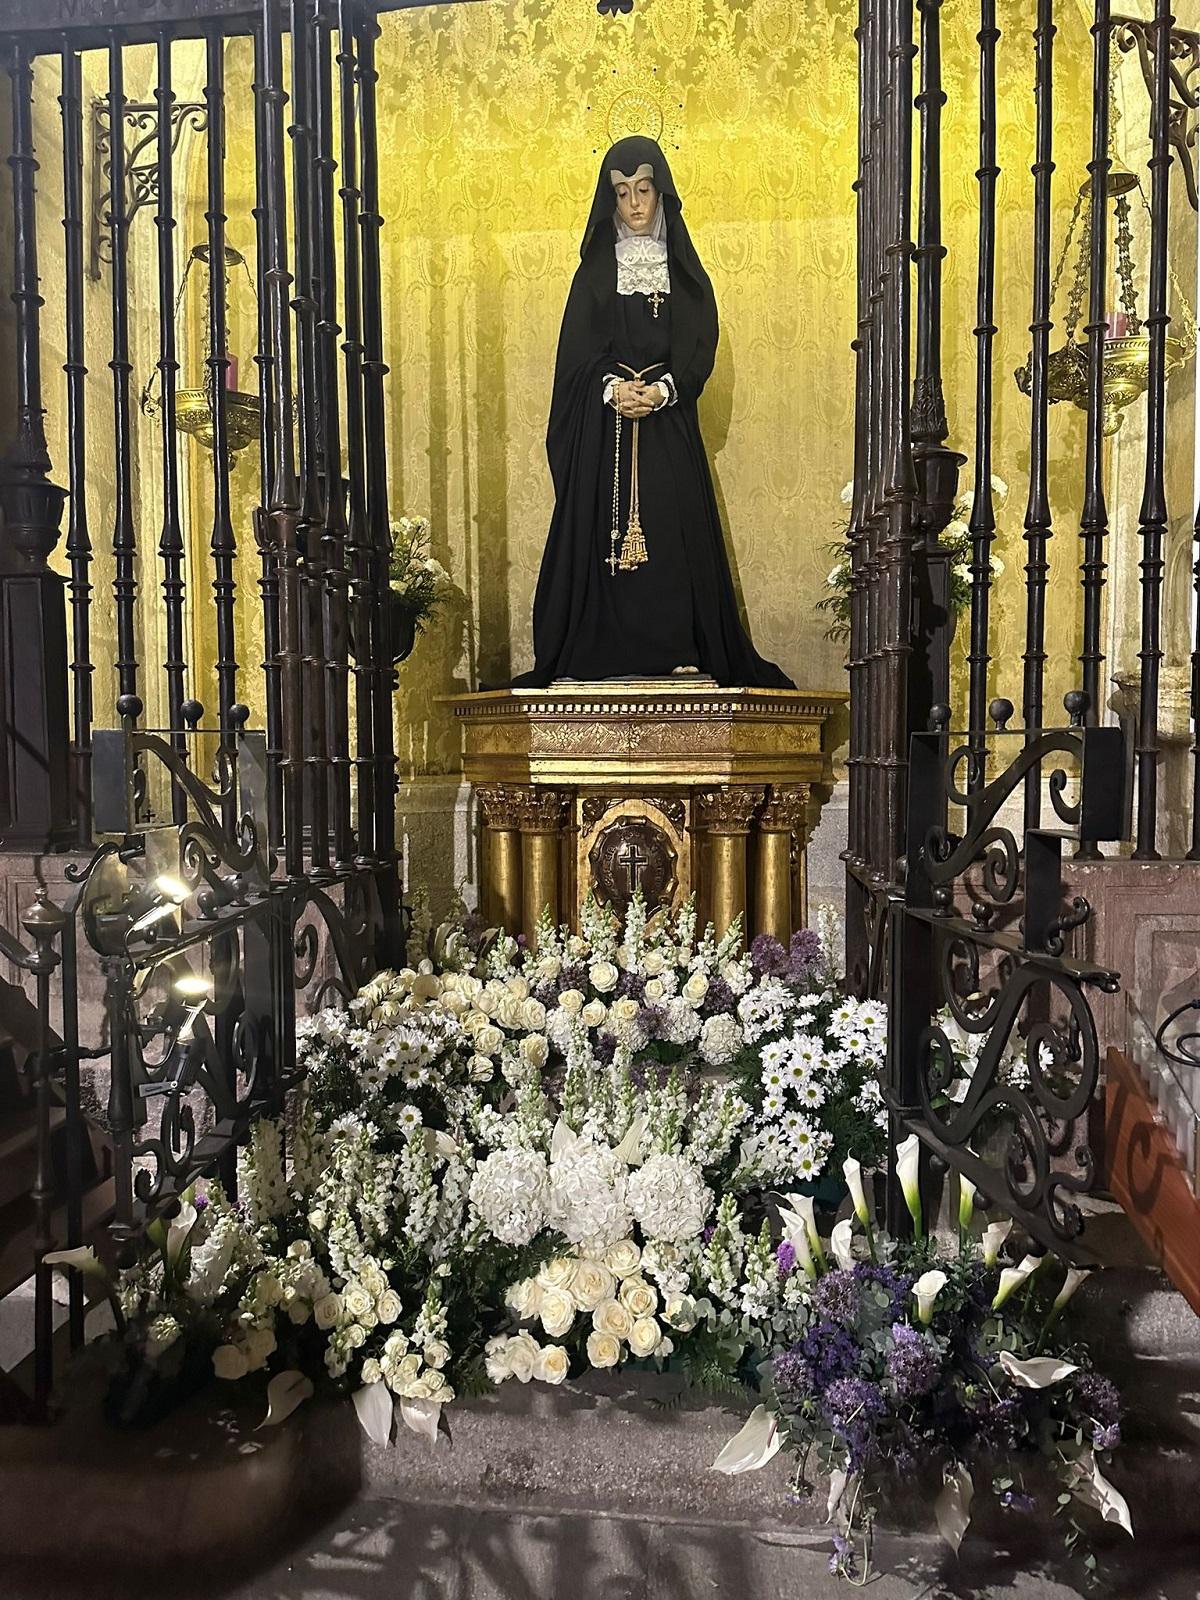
<point>727,810</point>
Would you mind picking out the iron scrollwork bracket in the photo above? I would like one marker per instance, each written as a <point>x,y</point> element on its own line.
<point>1137,33</point>
<point>141,163</point>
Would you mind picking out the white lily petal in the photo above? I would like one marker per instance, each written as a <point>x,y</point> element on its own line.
<point>908,1169</point>
<point>852,1172</point>
<point>752,1446</point>
<point>926,1290</point>
<point>178,1230</point>
<point>1110,1502</point>
<point>83,1257</point>
<point>800,1213</point>
<point>1075,1276</point>
<point>561,1139</point>
<point>953,1506</point>
<point>1012,1278</point>
<point>841,1243</point>
<point>795,1231</point>
<point>994,1236</point>
<point>285,1392</point>
<point>422,1416</point>
<point>629,1149</point>
<point>438,1143</point>
<point>373,1403</point>
<point>1038,1372</point>
<point>966,1201</point>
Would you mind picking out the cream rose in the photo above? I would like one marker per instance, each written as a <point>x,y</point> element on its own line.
<point>388,1307</point>
<point>525,1299</point>
<point>535,1052</point>
<point>533,1014</point>
<point>592,1283</point>
<point>495,1357</point>
<point>511,1013</point>
<point>557,1312</point>
<point>653,963</point>
<point>623,1259</point>
<point>487,1002</point>
<point>326,1311</point>
<point>230,1363</point>
<point>548,968</point>
<point>552,1364</point>
<point>473,1021</point>
<point>426,986</point>
<point>456,1004</point>
<point>625,1009</point>
<point>603,976</point>
<point>482,1069</point>
<point>523,1352</point>
<point>644,1337</point>
<point>603,1350</point>
<point>571,1001</point>
<point>405,1370</point>
<point>488,1040</point>
<point>655,989</point>
<point>639,1298</point>
<point>357,1300</point>
<point>518,988</point>
<point>695,988</point>
<point>355,1336</point>
<point>610,1316</point>
<point>436,1353</point>
<point>594,1013</point>
<point>681,1313</point>
<point>557,1274</point>
<point>372,1372</point>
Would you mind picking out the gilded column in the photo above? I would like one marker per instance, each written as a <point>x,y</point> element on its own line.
<point>542,813</point>
<point>725,816</point>
<point>781,823</point>
<point>501,856</point>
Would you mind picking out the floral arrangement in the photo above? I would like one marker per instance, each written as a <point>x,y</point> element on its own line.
<point>955,538</point>
<point>417,581</point>
<point>915,1357</point>
<point>515,1163</point>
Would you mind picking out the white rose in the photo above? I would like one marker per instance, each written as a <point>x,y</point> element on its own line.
<point>625,1009</point>
<point>456,1004</point>
<point>524,1299</point>
<point>326,1310</point>
<point>612,1317</point>
<point>571,1001</point>
<point>533,1014</point>
<point>639,1298</point>
<point>523,1352</point>
<point>557,1274</point>
<point>655,989</point>
<point>426,986</point>
<point>681,1313</point>
<point>535,1052</point>
<point>548,968</point>
<point>495,1357</point>
<point>552,1364</point>
<point>357,1302</point>
<point>298,1310</point>
<point>653,963</point>
<point>603,976</point>
<point>511,1014</point>
<point>557,1312</point>
<point>229,1362</point>
<point>482,1069</point>
<point>260,1345</point>
<point>594,1013</point>
<point>473,1021</point>
<point>695,988</point>
<point>372,1372</point>
<point>487,1002</point>
<point>317,1219</point>
<point>603,1350</point>
<point>591,1284</point>
<point>268,1290</point>
<point>644,1337</point>
<point>488,1040</point>
<point>436,1353</point>
<point>355,1335</point>
<point>576,947</point>
<point>388,1306</point>
<point>405,1371</point>
<point>622,1259</point>
<point>518,988</point>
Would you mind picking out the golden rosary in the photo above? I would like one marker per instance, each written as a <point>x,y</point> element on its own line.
<point>633,547</point>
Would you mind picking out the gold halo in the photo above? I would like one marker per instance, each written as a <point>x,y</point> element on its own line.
<point>634,111</point>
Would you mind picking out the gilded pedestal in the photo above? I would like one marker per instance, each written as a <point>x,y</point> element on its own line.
<point>673,790</point>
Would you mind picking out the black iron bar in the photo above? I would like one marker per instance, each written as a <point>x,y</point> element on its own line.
<point>1037,511</point>
<point>1153,513</point>
<point>929,425</point>
<point>170,544</point>
<point>269,580</point>
<point>306,310</point>
<point>1194,850</point>
<point>983,518</point>
<point>124,539</point>
<point>374,372</point>
<point>855,928</point>
<point>223,541</point>
<point>358,547</point>
<point>78,542</point>
<point>335,595</point>
<point>282,498</point>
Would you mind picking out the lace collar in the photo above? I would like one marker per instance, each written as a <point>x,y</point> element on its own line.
<point>642,266</point>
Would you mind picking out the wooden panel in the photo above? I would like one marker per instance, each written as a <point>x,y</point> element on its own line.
<point>1145,1173</point>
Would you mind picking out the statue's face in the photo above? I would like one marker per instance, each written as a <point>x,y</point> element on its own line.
<point>637,203</point>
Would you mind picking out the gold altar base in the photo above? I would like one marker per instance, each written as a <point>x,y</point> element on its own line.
<point>607,787</point>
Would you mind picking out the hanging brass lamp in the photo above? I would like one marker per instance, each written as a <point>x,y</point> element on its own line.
<point>1126,361</point>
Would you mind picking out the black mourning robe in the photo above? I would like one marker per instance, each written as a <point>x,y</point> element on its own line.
<point>677,610</point>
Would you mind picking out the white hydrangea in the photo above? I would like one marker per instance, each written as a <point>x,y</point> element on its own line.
<point>680,1023</point>
<point>669,1198</point>
<point>511,1193</point>
<point>587,1195</point>
<point>720,1040</point>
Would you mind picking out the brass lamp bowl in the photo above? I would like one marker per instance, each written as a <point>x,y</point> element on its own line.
<point>193,414</point>
<point>1126,372</point>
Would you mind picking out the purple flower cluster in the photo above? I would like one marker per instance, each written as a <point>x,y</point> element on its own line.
<point>785,1255</point>
<point>898,1286</point>
<point>633,985</point>
<point>830,1351</point>
<point>719,999</point>
<point>912,1364</point>
<point>851,1407</point>
<point>836,1296</point>
<point>793,1376</point>
<point>1099,1398</point>
<point>794,962</point>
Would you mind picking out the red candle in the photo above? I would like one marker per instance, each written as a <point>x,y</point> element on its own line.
<point>1118,324</point>
<point>231,372</point>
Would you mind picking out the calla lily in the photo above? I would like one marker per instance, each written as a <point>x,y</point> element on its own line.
<point>840,1242</point>
<point>1012,1278</point>
<point>421,1416</point>
<point>83,1257</point>
<point>953,1506</point>
<point>966,1205</point>
<point>179,1231</point>
<point>796,1234</point>
<point>926,1290</point>
<point>798,1215</point>
<point>839,1482</point>
<point>908,1171</point>
<point>994,1236</point>
<point>630,1146</point>
<point>1038,1372</point>
<point>285,1392</point>
<point>752,1446</point>
<point>1110,1502</point>
<point>373,1405</point>
<point>1074,1277</point>
<point>852,1172</point>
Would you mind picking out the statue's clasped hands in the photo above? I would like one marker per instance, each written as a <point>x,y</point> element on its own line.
<point>636,399</point>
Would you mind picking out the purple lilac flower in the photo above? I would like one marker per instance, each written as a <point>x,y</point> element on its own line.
<point>631,984</point>
<point>842,1559</point>
<point>897,1284</point>
<point>201,1201</point>
<point>605,1049</point>
<point>708,1232</point>
<point>793,1375</point>
<point>998,1423</point>
<point>1100,1399</point>
<point>768,956</point>
<point>852,1406</point>
<point>522,941</point>
<point>719,999</point>
<point>574,975</point>
<point>831,1352</point>
<point>836,1296</point>
<point>653,1019</point>
<point>786,1257</point>
<point>912,1363</point>
<point>803,953</point>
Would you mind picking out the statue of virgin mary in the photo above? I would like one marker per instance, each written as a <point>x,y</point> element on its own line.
<point>635,581</point>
